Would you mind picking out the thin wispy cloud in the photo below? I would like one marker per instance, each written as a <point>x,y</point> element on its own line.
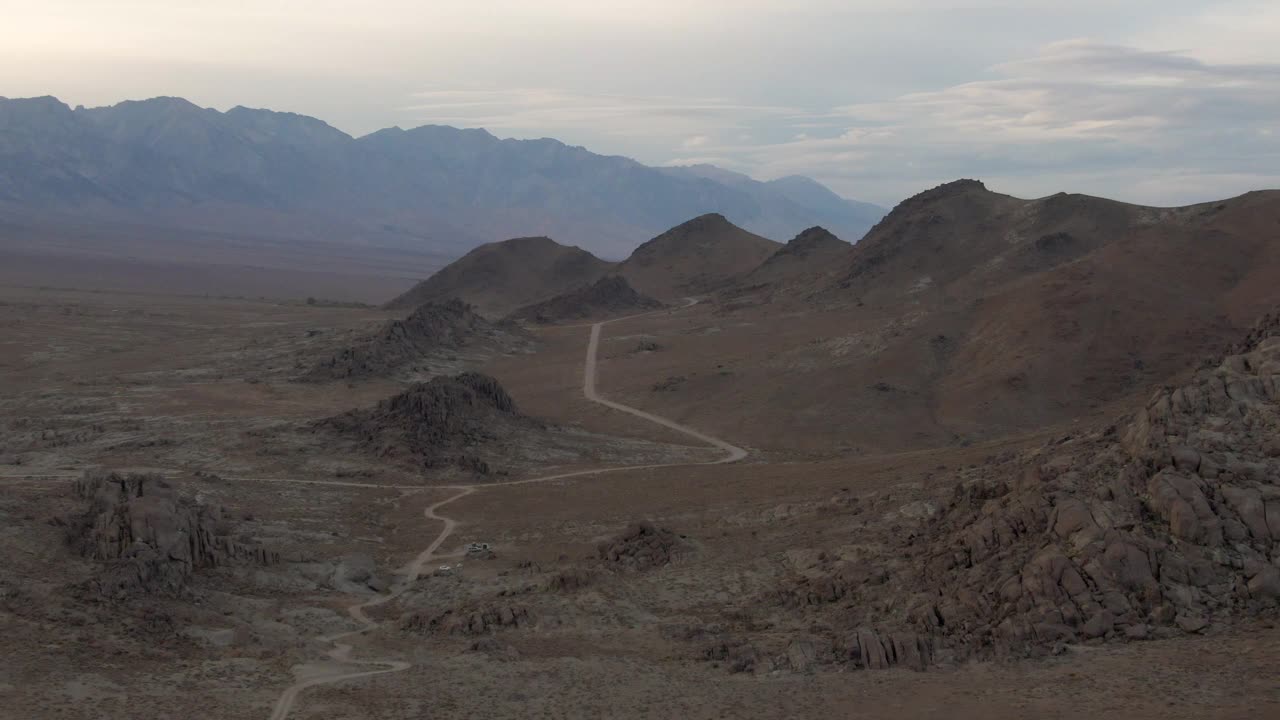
<point>554,111</point>
<point>1151,126</point>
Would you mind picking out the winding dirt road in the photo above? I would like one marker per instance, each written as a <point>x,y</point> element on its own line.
<point>341,663</point>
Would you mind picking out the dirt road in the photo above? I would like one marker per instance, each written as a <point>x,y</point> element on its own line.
<point>340,665</point>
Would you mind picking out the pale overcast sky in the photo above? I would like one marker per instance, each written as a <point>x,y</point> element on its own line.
<point>1155,101</point>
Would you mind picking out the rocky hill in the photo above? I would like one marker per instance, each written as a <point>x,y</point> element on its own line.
<point>1161,524</point>
<point>1067,298</point>
<point>500,277</point>
<point>149,536</point>
<point>444,423</point>
<point>809,255</point>
<point>967,315</point>
<point>400,345</point>
<point>610,296</point>
<point>694,257</point>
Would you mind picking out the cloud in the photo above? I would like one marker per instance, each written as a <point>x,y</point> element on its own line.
<point>668,121</point>
<point>1225,32</point>
<point>1106,115</point>
<point>1166,101</point>
<point>1145,125</point>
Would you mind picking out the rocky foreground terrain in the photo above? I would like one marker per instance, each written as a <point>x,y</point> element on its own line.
<point>1158,525</point>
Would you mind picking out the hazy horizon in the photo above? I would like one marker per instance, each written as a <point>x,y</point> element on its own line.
<point>1158,103</point>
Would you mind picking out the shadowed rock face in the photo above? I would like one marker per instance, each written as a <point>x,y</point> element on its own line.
<point>150,537</point>
<point>402,344</point>
<point>1164,524</point>
<point>608,296</point>
<point>436,422</point>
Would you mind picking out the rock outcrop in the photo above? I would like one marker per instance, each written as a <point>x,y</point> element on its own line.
<point>1163,524</point>
<point>642,546</point>
<point>609,296</point>
<point>435,424</point>
<point>404,344</point>
<point>467,621</point>
<point>149,537</point>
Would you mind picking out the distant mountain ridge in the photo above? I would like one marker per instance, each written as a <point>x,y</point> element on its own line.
<point>167,162</point>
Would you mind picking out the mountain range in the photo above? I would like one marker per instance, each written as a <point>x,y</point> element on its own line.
<point>166,169</point>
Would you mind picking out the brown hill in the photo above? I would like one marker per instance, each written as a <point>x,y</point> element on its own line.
<point>499,277</point>
<point>966,315</point>
<point>437,424</point>
<point>407,344</point>
<point>811,254</point>
<point>1162,524</point>
<point>608,297</point>
<point>695,257</point>
<point>1048,306</point>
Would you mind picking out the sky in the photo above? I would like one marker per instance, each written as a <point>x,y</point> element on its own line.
<point>1161,102</point>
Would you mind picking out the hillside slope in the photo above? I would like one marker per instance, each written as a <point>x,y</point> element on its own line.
<point>499,277</point>
<point>967,315</point>
<point>694,257</point>
<point>1055,304</point>
<point>810,254</point>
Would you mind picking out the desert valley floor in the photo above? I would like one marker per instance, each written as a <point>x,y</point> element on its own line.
<point>658,592</point>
